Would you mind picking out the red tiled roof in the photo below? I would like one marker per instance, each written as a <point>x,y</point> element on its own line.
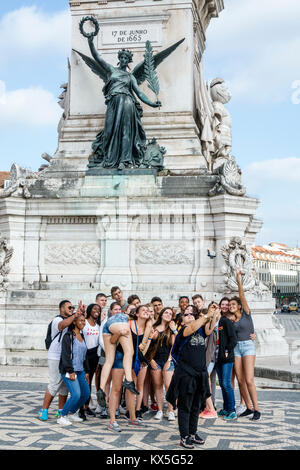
<point>261,253</point>
<point>4,175</point>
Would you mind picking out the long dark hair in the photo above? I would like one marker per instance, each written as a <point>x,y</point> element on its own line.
<point>167,333</point>
<point>237,300</point>
<point>90,308</point>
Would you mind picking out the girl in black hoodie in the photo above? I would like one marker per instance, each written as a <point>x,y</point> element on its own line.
<point>224,364</point>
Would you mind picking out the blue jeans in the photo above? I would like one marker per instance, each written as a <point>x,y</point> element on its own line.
<point>79,390</point>
<point>224,372</point>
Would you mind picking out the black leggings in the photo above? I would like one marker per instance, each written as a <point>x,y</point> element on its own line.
<point>93,360</point>
<point>188,411</point>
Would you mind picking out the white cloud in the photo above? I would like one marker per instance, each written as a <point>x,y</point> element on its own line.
<point>255,45</point>
<point>274,170</point>
<point>29,107</point>
<point>29,30</point>
<point>2,92</point>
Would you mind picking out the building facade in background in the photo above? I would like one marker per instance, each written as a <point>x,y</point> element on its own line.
<point>4,177</point>
<point>278,267</point>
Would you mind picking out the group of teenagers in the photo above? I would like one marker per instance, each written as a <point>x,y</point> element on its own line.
<point>143,355</point>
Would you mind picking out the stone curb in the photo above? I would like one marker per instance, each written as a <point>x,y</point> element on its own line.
<point>277,374</point>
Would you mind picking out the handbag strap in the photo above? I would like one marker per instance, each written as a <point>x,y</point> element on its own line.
<point>137,339</point>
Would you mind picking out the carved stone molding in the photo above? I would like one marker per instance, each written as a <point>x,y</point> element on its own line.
<point>163,253</point>
<point>72,253</point>
<point>71,220</point>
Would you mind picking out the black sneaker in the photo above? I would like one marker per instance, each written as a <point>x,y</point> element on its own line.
<point>197,439</point>
<point>89,412</point>
<point>139,415</point>
<point>186,442</point>
<point>101,398</point>
<point>130,386</point>
<point>256,416</point>
<point>82,415</point>
<point>144,409</point>
<point>247,412</point>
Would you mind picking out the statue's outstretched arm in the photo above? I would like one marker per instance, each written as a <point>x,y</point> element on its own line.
<point>98,58</point>
<point>142,95</point>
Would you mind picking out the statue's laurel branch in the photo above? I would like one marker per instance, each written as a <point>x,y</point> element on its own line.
<point>149,69</point>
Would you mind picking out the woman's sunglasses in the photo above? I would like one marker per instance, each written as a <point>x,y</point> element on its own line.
<point>187,314</point>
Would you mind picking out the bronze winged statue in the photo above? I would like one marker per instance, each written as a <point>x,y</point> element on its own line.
<point>122,142</point>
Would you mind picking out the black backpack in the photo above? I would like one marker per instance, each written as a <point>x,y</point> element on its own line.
<point>48,339</point>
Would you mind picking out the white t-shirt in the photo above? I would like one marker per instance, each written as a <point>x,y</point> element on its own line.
<point>54,352</point>
<point>91,335</point>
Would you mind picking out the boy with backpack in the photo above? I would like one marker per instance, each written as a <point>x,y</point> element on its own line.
<point>56,330</point>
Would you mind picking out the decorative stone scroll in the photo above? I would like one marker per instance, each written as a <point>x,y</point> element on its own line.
<point>73,254</point>
<point>6,253</point>
<point>238,256</point>
<point>163,253</point>
<point>228,179</point>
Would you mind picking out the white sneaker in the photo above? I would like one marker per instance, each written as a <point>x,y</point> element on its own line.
<point>171,416</point>
<point>240,409</point>
<point>159,415</point>
<point>92,406</point>
<point>63,421</point>
<point>75,418</point>
<point>98,409</point>
<point>123,411</point>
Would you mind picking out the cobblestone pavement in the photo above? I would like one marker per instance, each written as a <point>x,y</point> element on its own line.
<point>20,429</point>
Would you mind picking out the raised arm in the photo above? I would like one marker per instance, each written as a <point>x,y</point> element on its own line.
<point>209,327</point>
<point>108,68</point>
<point>196,324</point>
<point>241,292</point>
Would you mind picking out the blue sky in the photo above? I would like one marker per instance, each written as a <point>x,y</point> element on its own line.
<point>254,45</point>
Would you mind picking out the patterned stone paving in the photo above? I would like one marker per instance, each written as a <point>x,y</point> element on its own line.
<point>290,322</point>
<point>20,429</point>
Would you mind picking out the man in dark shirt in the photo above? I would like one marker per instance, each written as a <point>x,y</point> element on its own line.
<point>189,388</point>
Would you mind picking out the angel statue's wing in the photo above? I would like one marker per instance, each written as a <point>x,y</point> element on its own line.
<point>96,67</point>
<point>139,70</point>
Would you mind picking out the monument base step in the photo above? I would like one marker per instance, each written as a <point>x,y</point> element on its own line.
<point>36,359</point>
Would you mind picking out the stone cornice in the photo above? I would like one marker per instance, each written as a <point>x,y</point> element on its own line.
<point>212,7</point>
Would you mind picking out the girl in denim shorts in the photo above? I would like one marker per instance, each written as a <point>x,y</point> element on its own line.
<point>244,351</point>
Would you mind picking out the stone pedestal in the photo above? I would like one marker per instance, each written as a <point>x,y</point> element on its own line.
<point>147,239</point>
<point>76,232</point>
